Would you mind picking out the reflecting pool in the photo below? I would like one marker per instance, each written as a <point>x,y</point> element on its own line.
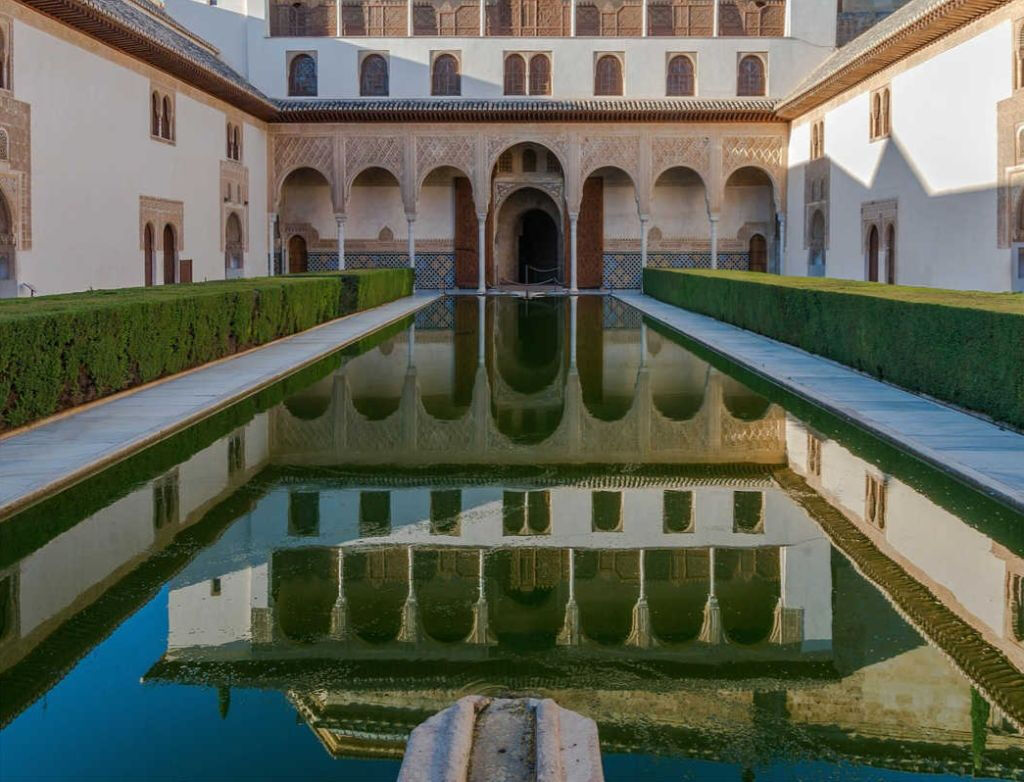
<point>546,497</point>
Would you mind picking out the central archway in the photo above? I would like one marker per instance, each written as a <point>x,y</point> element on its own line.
<point>528,243</point>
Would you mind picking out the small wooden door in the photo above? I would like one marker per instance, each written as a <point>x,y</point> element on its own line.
<point>758,253</point>
<point>170,255</point>
<point>466,251</point>
<point>298,261</point>
<point>590,235</point>
<point>185,270</point>
<point>873,255</point>
<point>890,255</point>
<point>150,253</point>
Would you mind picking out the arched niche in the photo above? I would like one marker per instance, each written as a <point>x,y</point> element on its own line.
<point>607,588</point>
<point>679,208</point>
<point>306,204</point>
<point>446,590</point>
<point>748,586</point>
<point>376,587</point>
<point>748,208</point>
<point>678,582</point>
<point>608,361</point>
<point>526,594</point>
<point>741,402</point>
<point>304,588</point>
<point>312,402</point>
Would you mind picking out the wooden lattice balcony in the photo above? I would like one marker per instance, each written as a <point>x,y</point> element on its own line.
<point>758,18</point>
<point>303,18</point>
<point>690,18</point>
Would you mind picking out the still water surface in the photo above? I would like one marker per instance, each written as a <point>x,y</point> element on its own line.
<point>545,498</point>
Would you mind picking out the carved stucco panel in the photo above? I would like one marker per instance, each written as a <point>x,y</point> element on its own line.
<point>766,152</point>
<point>15,120</point>
<point>234,199</point>
<point>619,151</point>
<point>160,212</point>
<point>688,151</point>
<point>502,190</point>
<point>436,151</point>
<point>559,144</point>
<point>292,152</point>
<point>362,152</point>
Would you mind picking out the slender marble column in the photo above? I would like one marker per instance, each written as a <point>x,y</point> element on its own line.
<point>573,218</point>
<point>481,252</point>
<point>339,219</point>
<point>714,19</point>
<point>271,224</point>
<point>782,244</point>
<point>572,19</point>
<point>643,19</point>
<point>483,18</point>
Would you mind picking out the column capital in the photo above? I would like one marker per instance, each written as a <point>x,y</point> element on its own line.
<point>481,217</point>
<point>410,217</point>
<point>645,218</point>
<point>574,216</point>
<point>340,217</point>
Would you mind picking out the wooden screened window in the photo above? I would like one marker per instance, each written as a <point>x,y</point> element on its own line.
<point>680,78</point>
<point>302,76</point>
<point>234,142</point>
<point>445,79</point>
<point>748,512</point>
<point>154,115</point>
<point>540,75</point>
<point>750,76</point>
<point>818,140</point>
<point>608,75</point>
<point>167,119</point>
<point>505,162</point>
<point>515,75</point>
<point>373,76</point>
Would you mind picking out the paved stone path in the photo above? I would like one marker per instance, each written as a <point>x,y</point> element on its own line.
<point>60,452</point>
<point>978,452</point>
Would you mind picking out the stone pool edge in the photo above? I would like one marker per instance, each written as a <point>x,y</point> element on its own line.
<point>962,456</point>
<point>36,445</point>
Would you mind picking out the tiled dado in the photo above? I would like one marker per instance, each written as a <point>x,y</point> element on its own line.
<point>622,270</point>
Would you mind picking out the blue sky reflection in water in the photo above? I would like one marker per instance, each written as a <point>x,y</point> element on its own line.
<point>238,606</point>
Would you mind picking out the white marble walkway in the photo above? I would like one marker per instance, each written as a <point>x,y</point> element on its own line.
<point>979,453</point>
<point>61,451</point>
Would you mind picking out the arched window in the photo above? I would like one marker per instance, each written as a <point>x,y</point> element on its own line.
<point>149,253</point>
<point>154,115</point>
<point>504,164</point>
<point>817,255</point>
<point>873,254</point>
<point>608,75</point>
<point>890,254</point>
<point>445,79</point>
<point>758,253</point>
<point>750,76</point>
<point>529,160</point>
<point>166,119</point>
<point>540,75</point>
<point>6,241</point>
<point>237,138</point>
<point>515,75</point>
<point>234,247</point>
<point>886,125</point>
<point>230,144</point>
<point>170,255</point>
<point>302,76</point>
<point>373,76</point>
<point>3,62</point>
<point>679,80</point>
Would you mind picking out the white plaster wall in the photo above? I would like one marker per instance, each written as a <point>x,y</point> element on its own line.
<point>92,157</point>
<point>680,211</point>
<point>939,163</point>
<point>196,617</point>
<point>621,216</point>
<point>742,205</point>
<point>371,208</point>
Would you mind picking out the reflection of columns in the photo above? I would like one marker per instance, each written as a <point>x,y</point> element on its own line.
<point>480,633</point>
<point>711,631</point>
<point>481,239</point>
<point>640,633</point>
<point>573,217</point>
<point>339,618</point>
<point>271,224</point>
<point>340,220</point>
<point>644,219</point>
<point>570,634</point>
<point>409,408</point>
<point>573,304</point>
<point>409,632</point>
<point>788,626</point>
<point>713,401</point>
<point>481,330</point>
<point>411,220</point>
<point>410,359</point>
<point>643,345</point>
<point>714,232</point>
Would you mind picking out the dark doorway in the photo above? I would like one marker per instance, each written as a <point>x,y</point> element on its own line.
<point>758,253</point>
<point>298,261</point>
<point>170,255</point>
<point>873,255</point>
<point>890,255</point>
<point>150,253</point>
<point>538,248</point>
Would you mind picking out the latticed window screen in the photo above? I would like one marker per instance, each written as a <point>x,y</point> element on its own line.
<point>680,77</point>
<point>608,76</point>
<point>445,79</point>
<point>373,76</point>
<point>302,76</point>
<point>750,77</point>
<point>515,75</point>
<point>540,75</point>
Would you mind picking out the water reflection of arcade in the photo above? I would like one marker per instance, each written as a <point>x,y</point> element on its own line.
<point>550,380</point>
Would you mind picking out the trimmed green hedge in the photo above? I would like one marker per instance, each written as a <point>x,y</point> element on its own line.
<point>60,351</point>
<point>964,347</point>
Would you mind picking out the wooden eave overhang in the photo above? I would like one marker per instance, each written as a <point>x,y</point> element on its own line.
<point>526,110</point>
<point>843,72</point>
<point>92,19</point>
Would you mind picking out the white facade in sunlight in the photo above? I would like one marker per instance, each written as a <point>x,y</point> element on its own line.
<point>495,142</point>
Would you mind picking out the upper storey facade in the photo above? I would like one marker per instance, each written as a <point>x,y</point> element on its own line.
<point>573,49</point>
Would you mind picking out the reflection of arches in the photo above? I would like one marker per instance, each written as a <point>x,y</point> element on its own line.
<point>170,255</point>
<point>741,402</point>
<point>607,588</point>
<point>298,258</point>
<point>677,589</point>
<point>678,380</point>
<point>604,403</point>
<point>758,249</point>
<point>526,596</point>
<point>747,583</point>
<point>873,246</point>
<point>304,586</point>
<point>312,402</point>
<point>376,586</point>
<point>446,589</point>
<point>149,252</point>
